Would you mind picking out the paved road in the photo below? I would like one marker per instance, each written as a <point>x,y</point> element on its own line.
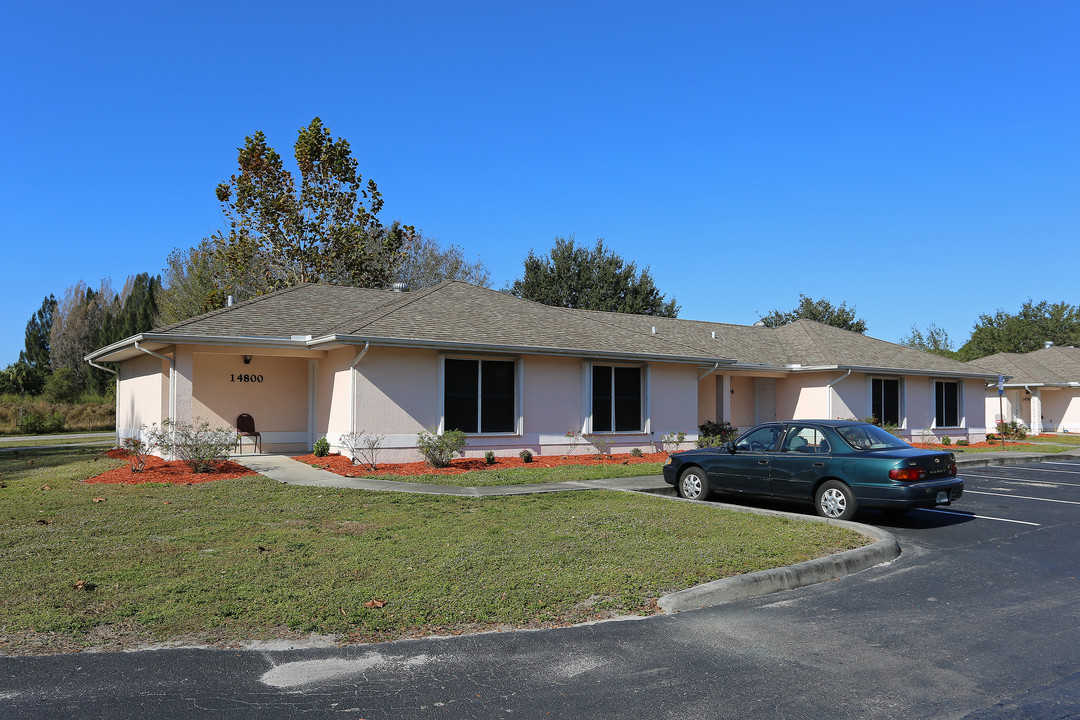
<point>977,619</point>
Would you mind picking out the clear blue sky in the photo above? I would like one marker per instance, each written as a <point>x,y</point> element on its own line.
<point>918,160</point>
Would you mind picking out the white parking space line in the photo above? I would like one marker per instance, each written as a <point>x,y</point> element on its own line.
<point>981,517</point>
<point>1022,481</point>
<point>1021,497</point>
<point>1041,470</point>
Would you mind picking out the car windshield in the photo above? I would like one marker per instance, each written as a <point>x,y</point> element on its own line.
<point>870,437</point>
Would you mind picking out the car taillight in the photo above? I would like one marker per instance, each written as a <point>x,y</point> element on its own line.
<point>906,474</point>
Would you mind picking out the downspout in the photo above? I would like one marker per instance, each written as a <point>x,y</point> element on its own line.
<point>172,381</point>
<point>116,399</point>
<point>710,371</point>
<point>352,387</point>
<point>829,387</point>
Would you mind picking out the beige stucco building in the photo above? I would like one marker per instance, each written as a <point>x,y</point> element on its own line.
<point>319,361</point>
<point>1041,390</point>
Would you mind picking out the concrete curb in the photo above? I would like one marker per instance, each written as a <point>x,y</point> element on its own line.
<point>764,582</point>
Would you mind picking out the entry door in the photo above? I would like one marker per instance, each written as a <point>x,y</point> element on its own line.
<point>765,400</point>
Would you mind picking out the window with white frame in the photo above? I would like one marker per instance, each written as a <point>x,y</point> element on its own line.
<point>946,404</point>
<point>617,398</point>
<point>479,396</point>
<point>885,400</point>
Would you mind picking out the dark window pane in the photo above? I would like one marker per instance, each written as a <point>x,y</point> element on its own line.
<point>601,398</point>
<point>627,398</point>
<point>461,391</point>
<point>497,397</point>
<point>948,404</point>
<point>885,404</point>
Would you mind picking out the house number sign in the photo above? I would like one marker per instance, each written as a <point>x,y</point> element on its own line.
<point>245,378</point>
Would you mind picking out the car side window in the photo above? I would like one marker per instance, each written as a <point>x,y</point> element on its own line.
<point>805,440</point>
<point>761,439</point>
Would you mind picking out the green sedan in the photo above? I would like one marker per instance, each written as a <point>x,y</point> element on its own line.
<point>837,465</point>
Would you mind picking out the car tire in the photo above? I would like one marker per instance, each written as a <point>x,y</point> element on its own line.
<point>693,484</point>
<point>835,501</point>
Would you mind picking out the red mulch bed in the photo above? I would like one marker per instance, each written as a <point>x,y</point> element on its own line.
<point>954,447</point>
<point>161,471</point>
<point>343,466</point>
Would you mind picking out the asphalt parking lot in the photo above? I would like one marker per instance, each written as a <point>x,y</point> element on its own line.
<point>976,619</point>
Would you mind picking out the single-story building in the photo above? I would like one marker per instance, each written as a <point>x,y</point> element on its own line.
<point>1042,389</point>
<point>317,361</point>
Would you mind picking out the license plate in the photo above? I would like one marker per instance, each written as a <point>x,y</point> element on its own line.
<point>943,496</point>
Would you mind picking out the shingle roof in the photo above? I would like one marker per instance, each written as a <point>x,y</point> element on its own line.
<point>1049,366</point>
<point>457,314</point>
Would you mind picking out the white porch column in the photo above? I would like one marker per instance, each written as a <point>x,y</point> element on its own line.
<point>1036,412</point>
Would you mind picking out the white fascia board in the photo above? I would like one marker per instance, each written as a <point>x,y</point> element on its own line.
<point>865,369</point>
<point>516,349</point>
<point>171,339</point>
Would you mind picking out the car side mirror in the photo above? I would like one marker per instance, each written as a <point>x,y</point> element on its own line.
<point>730,447</point>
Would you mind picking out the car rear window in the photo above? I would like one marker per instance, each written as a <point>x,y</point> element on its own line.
<point>870,437</point>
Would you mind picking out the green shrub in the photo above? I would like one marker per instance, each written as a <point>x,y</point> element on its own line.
<point>946,440</point>
<point>439,450</point>
<point>1012,430</point>
<point>601,441</point>
<point>963,442</point>
<point>711,434</point>
<point>636,452</point>
<point>321,448</point>
<point>489,457</point>
<point>34,424</point>
<point>526,456</point>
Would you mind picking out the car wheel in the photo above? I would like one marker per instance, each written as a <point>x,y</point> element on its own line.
<point>693,484</point>
<point>835,500</point>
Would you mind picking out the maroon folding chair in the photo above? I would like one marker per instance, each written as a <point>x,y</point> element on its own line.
<point>245,427</point>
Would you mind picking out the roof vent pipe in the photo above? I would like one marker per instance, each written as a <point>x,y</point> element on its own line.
<point>713,334</point>
<point>1047,344</point>
<point>399,287</point>
<point>653,329</point>
<point>229,301</point>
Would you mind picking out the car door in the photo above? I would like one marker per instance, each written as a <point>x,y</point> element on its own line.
<point>803,458</point>
<point>747,470</point>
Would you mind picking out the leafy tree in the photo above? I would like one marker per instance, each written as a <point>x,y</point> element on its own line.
<point>76,327</point>
<point>576,276</point>
<point>1025,331</point>
<point>821,311</point>
<point>427,263</point>
<point>936,340</point>
<point>22,378</point>
<point>63,386</point>
<point>38,330</point>
<point>324,230</point>
<point>199,279</point>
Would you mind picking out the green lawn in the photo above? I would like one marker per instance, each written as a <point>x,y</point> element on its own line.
<point>1039,447</point>
<point>84,565</point>
<point>525,476</point>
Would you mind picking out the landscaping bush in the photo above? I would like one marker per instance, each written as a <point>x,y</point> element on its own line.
<point>489,457</point>
<point>526,456</point>
<point>321,448</point>
<point>601,442</point>
<point>963,442</point>
<point>201,447</point>
<point>711,434</point>
<point>671,441</point>
<point>1012,430</point>
<point>946,440</point>
<point>636,452</point>
<point>361,446</point>
<point>139,452</point>
<point>439,450</point>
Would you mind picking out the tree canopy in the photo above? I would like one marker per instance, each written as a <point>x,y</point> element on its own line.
<point>1024,331</point>
<point>426,263</point>
<point>935,340</point>
<point>576,276</point>
<point>324,229</point>
<point>821,311</point>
